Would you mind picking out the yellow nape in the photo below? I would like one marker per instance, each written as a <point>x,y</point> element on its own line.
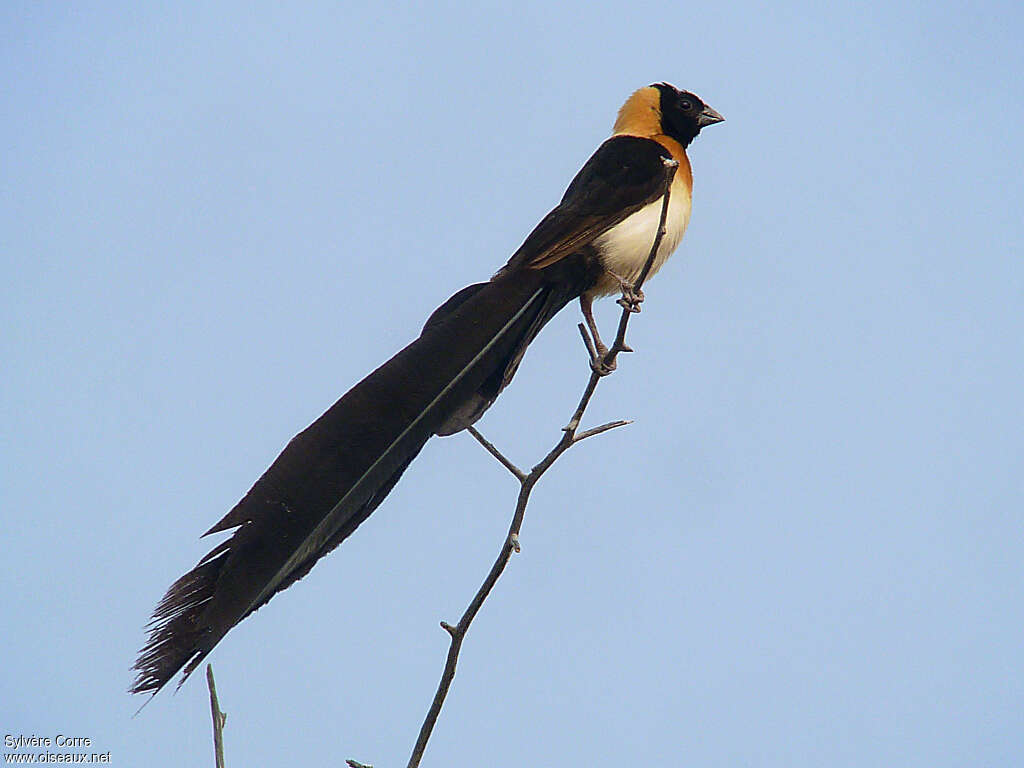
<point>641,114</point>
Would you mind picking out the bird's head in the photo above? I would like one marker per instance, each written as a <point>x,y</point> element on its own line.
<point>663,108</point>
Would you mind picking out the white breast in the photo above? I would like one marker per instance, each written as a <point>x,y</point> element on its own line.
<point>625,247</point>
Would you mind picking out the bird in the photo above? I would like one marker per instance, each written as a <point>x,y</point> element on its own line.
<point>332,475</point>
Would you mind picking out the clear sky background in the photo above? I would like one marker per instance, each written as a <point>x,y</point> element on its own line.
<point>807,550</point>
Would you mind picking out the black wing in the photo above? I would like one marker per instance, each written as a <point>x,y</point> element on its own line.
<point>621,177</point>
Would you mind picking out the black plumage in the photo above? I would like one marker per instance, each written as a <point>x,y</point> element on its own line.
<point>334,473</point>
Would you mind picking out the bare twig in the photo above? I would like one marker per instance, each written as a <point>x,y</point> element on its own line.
<point>603,428</point>
<point>219,718</point>
<point>587,341</point>
<point>519,474</point>
<point>527,481</point>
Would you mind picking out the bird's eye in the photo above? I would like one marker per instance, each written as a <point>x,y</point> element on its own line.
<point>685,105</point>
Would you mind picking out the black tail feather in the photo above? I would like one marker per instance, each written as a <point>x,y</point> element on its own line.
<point>333,474</point>
<point>174,635</point>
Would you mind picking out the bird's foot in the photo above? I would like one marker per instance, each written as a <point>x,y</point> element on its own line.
<point>631,297</point>
<point>603,367</point>
<point>602,363</point>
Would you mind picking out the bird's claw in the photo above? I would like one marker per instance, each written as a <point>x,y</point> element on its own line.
<point>631,297</point>
<point>602,365</point>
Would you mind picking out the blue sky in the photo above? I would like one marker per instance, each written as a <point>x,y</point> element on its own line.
<point>807,550</point>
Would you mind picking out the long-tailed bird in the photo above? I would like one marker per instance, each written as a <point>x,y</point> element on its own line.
<point>334,473</point>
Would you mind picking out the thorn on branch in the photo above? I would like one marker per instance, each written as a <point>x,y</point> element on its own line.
<point>448,628</point>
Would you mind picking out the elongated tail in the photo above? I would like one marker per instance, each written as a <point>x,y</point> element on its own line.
<point>333,474</point>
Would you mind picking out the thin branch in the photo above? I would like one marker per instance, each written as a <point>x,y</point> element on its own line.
<point>519,474</point>
<point>219,718</point>
<point>527,481</point>
<point>587,341</point>
<point>603,428</point>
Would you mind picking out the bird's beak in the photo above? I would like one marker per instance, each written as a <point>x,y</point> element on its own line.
<point>708,117</point>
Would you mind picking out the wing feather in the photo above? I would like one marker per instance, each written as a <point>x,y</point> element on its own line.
<point>621,177</point>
